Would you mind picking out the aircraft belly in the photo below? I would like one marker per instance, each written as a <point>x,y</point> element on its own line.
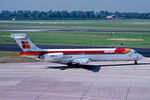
<point>111,57</point>
<point>101,57</point>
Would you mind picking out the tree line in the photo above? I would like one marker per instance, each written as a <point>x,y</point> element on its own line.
<point>66,15</point>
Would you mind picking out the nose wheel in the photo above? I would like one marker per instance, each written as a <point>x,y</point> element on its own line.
<point>135,62</point>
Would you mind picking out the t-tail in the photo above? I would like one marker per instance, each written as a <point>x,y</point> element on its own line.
<point>24,42</point>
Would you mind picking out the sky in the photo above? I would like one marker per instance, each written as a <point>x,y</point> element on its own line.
<point>70,5</point>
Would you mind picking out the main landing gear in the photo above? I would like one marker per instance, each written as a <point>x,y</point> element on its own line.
<point>135,62</point>
<point>69,64</point>
<point>72,65</point>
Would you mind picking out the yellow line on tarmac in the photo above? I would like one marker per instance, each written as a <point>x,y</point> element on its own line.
<point>83,74</point>
<point>147,58</point>
<point>121,65</point>
<point>126,76</point>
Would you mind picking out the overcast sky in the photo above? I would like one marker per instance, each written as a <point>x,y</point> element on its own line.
<point>70,5</point>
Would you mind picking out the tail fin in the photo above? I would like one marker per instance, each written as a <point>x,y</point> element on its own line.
<point>24,42</point>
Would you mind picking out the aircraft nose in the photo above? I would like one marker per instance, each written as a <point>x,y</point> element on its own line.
<point>139,56</point>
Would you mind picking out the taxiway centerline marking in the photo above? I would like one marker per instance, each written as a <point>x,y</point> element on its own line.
<point>147,58</point>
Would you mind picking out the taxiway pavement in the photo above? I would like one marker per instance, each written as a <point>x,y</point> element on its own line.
<point>97,81</point>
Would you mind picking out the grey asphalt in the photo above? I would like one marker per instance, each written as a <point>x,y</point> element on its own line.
<point>14,47</point>
<point>97,81</point>
<point>64,30</point>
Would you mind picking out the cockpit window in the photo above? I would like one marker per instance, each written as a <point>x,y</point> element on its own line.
<point>135,52</point>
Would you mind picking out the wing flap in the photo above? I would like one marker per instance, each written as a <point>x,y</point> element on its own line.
<point>81,61</point>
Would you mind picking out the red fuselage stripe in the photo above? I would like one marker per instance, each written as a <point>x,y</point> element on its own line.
<point>117,51</point>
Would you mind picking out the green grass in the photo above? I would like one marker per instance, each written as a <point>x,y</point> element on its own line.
<point>6,53</point>
<point>6,58</point>
<point>77,38</point>
<point>124,25</point>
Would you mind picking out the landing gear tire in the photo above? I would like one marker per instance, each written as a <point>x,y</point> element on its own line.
<point>135,62</point>
<point>72,65</point>
<point>69,64</point>
<point>77,65</point>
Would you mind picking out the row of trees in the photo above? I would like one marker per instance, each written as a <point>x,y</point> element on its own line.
<point>48,15</point>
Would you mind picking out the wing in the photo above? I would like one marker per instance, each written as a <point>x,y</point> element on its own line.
<point>81,61</point>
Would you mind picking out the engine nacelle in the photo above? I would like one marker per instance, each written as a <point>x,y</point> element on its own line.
<point>52,56</point>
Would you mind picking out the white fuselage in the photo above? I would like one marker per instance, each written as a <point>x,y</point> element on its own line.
<point>108,55</point>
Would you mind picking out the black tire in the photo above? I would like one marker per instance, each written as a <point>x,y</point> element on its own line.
<point>135,62</point>
<point>69,64</point>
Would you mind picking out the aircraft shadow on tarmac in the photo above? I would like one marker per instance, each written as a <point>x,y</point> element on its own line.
<point>93,68</point>
<point>87,67</point>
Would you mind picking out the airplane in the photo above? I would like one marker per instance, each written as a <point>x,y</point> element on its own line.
<point>74,56</point>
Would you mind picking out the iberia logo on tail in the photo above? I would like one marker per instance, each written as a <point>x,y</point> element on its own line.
<point>25,45</point>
